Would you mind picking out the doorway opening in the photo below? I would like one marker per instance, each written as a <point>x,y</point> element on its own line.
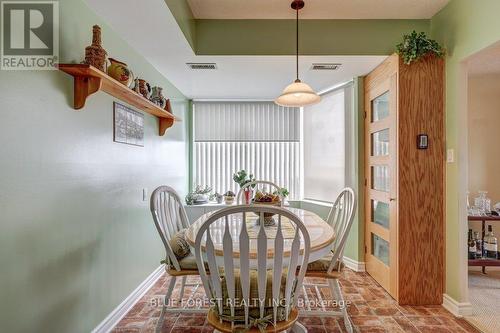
<point>482,133</point>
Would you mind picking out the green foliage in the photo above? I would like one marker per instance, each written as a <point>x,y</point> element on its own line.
<point>198,190</point>
<point>242,177</point>
<point>416,45</point>
<point>282,192</point>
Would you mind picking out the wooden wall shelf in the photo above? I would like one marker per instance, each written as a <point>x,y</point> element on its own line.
<point>89,80</point>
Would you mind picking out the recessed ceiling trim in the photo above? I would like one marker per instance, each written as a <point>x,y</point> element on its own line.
<point>317,9</point>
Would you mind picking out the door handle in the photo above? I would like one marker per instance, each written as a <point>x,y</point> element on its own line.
<point>392,199</point>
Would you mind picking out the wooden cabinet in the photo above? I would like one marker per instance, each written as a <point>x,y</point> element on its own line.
<point>404,195</point>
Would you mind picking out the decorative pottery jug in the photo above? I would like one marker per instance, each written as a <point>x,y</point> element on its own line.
<point>158,98</point>
<point>95,55</point>
<point>120,72</point>
<point>142,87</point>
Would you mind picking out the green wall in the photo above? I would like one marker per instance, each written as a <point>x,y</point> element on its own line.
<point>318,37</point>
<point>184,17</point>
<point>356,241</point>
<point>75,236</point>
<point>277,37</point>
<point>464,27</point>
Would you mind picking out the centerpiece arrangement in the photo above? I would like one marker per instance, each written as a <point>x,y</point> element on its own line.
<point>271,199</point>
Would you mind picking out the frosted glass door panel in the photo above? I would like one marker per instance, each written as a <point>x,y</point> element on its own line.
<point>380,213</point>
<point>380,178</point>
<point>380,107</point>
<point>380,143</point>
<point>380,249</point>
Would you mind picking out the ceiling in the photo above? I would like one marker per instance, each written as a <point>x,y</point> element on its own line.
<point>236,77</point>
<point>316,9</point>
<point>264,77</point>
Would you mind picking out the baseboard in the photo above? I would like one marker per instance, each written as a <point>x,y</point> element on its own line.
<point>357,266</point>
<point>456,308</point>
<point>121,310</point>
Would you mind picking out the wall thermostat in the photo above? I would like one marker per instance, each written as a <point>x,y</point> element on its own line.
<point>422,141</point>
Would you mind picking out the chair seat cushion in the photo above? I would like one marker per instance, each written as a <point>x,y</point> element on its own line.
<point>188,263</point>
<point>323,264</point>
<point>253,304</point>
<point>179,245</point>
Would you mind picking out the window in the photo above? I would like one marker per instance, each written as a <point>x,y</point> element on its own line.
<point>260,137</point>
<point>326,137</point>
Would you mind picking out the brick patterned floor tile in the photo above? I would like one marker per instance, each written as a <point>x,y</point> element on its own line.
<point>371,310</point>
<point>424,320</point>
<point>372,329</point>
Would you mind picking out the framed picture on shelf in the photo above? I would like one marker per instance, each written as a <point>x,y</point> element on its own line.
<point>128,125</point>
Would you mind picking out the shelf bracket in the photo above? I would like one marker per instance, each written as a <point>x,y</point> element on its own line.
<point>164,124</point>
<point>84,87</point>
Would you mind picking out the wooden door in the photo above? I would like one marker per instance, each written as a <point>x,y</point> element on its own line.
<point>381,222</point>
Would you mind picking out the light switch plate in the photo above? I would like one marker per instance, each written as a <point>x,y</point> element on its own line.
<point>450,155</point>
<point>144,194</point>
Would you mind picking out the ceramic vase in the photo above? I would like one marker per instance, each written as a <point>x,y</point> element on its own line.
<point>120,72</point>
<point>158,98</point>
<point>248,195</point>
<point>95,55</point>
<point>143,87</point>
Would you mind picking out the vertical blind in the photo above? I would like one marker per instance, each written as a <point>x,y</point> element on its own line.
<point>260,137</point>
<point>325,145</point>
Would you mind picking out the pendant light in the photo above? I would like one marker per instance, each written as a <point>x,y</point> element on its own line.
<point>298,93</point>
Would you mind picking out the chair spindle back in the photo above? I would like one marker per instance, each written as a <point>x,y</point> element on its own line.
<point>169,216</point>
<point>287,263</point>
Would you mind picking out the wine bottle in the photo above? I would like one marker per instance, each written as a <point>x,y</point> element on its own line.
<point>472,246</point>
<point>490,244</point>
<point>479,245</point>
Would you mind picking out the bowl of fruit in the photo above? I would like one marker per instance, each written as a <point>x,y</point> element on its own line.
<point>264,198</point>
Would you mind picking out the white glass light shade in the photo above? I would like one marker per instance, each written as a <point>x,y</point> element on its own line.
<point>298,94</point>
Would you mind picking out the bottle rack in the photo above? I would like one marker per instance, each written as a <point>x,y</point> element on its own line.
<point>484,262</point>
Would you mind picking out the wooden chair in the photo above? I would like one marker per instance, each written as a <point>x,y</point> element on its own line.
<point>270,185</point>
<point>340,218</point>
<point>273,276</point>
<point>170,217</point>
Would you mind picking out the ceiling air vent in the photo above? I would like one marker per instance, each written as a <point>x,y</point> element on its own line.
<point>202,65</point>
<point>325,67</point>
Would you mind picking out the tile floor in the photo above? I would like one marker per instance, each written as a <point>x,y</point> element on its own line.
<point>371,310</point>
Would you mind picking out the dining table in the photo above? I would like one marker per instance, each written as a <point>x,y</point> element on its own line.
<point>320,232</point>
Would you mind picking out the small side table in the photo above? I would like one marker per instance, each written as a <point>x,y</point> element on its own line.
<point>484,262</point>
